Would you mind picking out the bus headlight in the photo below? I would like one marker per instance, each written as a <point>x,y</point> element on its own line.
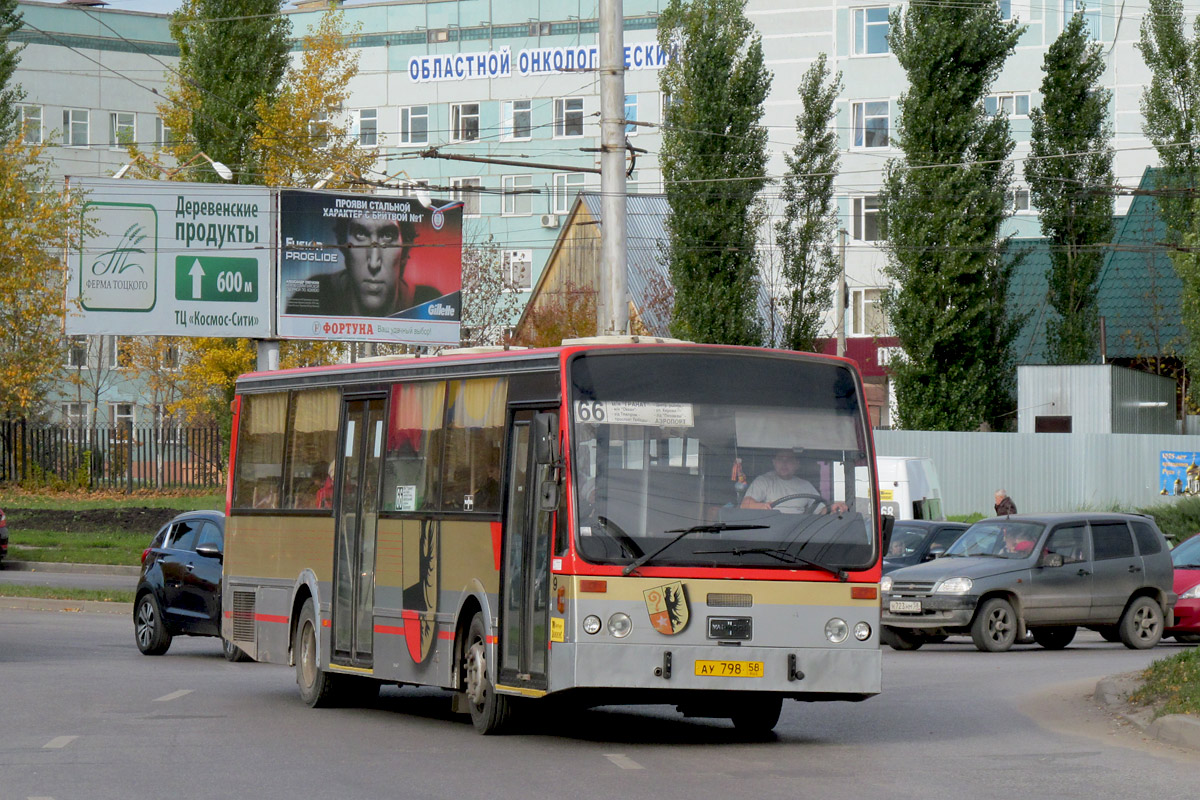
<point>836,630</point>
<point>619,625</point>
<point>862,631</point>
<point>591,624</point>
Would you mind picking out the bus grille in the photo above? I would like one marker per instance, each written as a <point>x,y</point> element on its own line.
<point>243,616</point>
<point>718,600</point>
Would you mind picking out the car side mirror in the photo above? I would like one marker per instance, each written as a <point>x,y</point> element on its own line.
<point>210,551</point>
<point>934,552</point>
<point>1051,560</point>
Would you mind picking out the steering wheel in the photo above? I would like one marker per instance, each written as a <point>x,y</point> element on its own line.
<point>615,532</point>
<point>818,501</point>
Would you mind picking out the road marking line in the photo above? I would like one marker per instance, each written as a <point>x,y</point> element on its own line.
<point>59,742</point>
<point>172,696</point>
<point>623,761</point>
<point>39,798</point>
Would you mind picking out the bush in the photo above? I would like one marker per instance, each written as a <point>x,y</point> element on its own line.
<point>1178,518</point>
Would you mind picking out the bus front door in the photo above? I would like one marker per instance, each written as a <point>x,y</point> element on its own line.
<point>358,473</point>
<point>525,606</point>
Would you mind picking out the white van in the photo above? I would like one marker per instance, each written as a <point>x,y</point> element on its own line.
<point>909,488</point>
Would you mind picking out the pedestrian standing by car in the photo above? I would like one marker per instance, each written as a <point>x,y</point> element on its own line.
<point>1004,504</point>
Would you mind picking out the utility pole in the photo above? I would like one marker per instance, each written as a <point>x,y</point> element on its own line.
<point>841,294</point>
<point>613,307</point>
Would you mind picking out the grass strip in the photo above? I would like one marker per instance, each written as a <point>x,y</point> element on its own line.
<point>66,593</point>
<point>82,501</point>
<point>1172,685</point>
<point>98,547</point>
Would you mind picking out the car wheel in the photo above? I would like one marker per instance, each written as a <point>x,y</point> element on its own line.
<point>756,714</point>
<point>151,632</point>
<point>1109,633</point>
<point>1141,625</point>
<point>903,639</point>
<point>1188,638</point>
<point>233,653</point>
<point>489,711</point>
<point>995,627</point>
<point>317,687</point>
<point>1054,638</point>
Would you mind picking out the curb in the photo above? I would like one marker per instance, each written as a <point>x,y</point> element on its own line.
<point>50,566</point>
<point>1180,730</point>
<point>91,606</point>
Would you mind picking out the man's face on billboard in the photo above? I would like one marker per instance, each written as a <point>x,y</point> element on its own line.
<point>375,257</point>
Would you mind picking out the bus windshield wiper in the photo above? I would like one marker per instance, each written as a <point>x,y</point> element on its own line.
<point>782,555</point>
<point>715,527</point>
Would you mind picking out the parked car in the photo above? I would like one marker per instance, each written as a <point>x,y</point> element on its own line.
<point>915,541</point>
<point>179,591</point>
<point>1185,626</point>
<point>1046,573</point>
<point>3,539</point>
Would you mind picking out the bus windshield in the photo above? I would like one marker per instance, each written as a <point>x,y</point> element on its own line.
<point>720,460</point>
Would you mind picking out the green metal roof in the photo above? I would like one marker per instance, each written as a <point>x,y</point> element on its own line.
<point>1139,293</point>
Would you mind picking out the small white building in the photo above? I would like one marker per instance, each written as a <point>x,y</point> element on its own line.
<point>1094,398</point>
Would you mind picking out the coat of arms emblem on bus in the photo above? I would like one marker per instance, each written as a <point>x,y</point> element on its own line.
<point>421,592</point>
<point>667,605</point>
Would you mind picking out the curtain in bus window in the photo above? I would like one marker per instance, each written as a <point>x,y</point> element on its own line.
<point>260,450</point>
<point>311,442</point>
<point>475,434</point>
<point>414,447</point>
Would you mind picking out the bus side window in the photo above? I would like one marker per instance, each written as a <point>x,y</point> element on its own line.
<point>412,463</point>
<point>474,439</point>
<point>311,442</point>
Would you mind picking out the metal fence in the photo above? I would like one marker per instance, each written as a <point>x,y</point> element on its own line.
<point>115,457</point>
<point>1044,471</point>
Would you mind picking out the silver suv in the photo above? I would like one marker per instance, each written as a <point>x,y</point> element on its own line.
<point>1045,573</point>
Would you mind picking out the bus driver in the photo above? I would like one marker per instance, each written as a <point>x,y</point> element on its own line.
<point>781,482</point>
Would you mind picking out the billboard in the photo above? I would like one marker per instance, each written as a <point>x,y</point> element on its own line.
<point>172,259</point>
<point>369,268</point>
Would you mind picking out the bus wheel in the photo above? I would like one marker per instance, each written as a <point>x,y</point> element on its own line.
<point>489,711</point>
<point>757,714</point>
<point>317,687</point>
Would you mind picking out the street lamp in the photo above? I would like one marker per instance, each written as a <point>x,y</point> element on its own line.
<point>223,172</point>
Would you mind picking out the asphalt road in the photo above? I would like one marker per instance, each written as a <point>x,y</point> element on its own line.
<point>84,715</point>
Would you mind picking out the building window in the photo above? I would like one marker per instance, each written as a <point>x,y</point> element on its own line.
<point>1090,9</point>
<point>414,125</point>
<point>866,313</point>
<point>870,121</point>
<point>1006,10</point>
<point>518,268</point>
<point>120,414</point>
<point>566,186</point>
<point>318,129</point>
<point>122,127</point>
<point>518,195</point>
<point>568,116</point>
<point>1012,104</point>
<point>466,191</point>
<point>631,115</point>
<point>1018,201</point>
<point>163,135</point>
<point>464,122</point>
<point>870,31</point>
<point>77,352</point>
<point>368,127</point>
<point>75,127</point>
<point>517,121</point>
<point>169,354</point>
<point>119,356</point>
<point>75,414</point>
<point>31,124</point>
<point>865,214</point>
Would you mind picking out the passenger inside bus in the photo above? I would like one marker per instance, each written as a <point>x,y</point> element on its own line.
<point>784,490</point>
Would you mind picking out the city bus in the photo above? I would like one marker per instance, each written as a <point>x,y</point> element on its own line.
<point>568,523</point>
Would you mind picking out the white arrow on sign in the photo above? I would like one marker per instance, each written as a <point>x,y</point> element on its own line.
<point>197,272</point>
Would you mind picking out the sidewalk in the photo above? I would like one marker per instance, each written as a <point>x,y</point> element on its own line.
<point>1174,729</point>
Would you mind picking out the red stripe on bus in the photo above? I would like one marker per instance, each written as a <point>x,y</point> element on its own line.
<point>397,630</point>
<point>496,529</point>
<point>446,635</point>
<point>270,618</point>
<point>326,623</point>
<point>493,639</point>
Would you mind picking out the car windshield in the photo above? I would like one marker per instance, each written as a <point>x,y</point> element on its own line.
<point>720,460</point>
<point>1187,554</point>
<point>999,539</point>
<point>907,540</point>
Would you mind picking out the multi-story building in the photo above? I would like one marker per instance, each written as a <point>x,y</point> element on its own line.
<point>513,86</point>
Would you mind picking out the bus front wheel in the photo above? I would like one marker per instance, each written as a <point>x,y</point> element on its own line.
<point>317,687</point>
<point>489,710</point>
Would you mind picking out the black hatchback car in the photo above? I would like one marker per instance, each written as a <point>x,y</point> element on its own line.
<point>179,591</point>
<point>918,540</point>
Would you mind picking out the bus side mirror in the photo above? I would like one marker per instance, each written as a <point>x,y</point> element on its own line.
<point>886,523</point>
<point>545,438</point>
<point>548,496</point>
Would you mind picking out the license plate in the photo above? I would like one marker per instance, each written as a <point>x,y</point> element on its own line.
<point>905,606</point>
<point>730,669</point>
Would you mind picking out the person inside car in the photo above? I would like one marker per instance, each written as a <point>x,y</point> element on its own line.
<point>1016,544</point>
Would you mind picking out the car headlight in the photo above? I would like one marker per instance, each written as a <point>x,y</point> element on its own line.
<point>836,630</point>
<point>885,584</point>
<point>954,586</point>
<point>619,625</point>
<point>1192,593</point>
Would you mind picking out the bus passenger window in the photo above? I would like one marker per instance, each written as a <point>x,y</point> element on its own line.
<point>412,464</point>
<point>260,447</point>
<point>475,437</point>
<point>311,445</point>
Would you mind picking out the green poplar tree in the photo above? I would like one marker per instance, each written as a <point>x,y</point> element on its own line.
<point>805,233</point>
<point>713,159</point>
<point>10,55</point>
<point>1069,174</point>
<point>944,203</point>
